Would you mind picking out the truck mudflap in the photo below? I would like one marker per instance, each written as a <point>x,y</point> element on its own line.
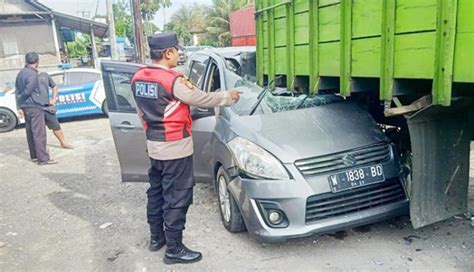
<point>440,142</point>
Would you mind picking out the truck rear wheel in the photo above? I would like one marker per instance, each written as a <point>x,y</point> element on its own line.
<point>440,144</point>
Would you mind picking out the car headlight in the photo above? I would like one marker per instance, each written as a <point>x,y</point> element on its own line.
<point>256,161</point>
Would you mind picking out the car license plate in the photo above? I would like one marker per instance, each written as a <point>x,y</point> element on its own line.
<point>356,177</point>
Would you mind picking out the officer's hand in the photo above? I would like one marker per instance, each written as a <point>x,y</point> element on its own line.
<point>235,95</point>
<point>52,102</point>
<point>21,114</point>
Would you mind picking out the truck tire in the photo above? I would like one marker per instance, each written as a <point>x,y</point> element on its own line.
<point>8,120</point>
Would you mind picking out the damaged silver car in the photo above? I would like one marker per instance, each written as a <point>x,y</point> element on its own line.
<point>283,165</point>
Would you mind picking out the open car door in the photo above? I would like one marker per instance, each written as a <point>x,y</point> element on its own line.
<point>127,130</point>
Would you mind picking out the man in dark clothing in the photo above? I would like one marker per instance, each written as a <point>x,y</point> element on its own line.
<point>31,101</point>
<point>163,98</point>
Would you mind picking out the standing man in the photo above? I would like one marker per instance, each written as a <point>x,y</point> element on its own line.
<point>163,97</point>
<point>31,102</point>
<point>44,83</point>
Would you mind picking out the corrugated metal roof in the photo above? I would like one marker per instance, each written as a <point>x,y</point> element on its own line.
<point>81,24</point>
<point>8,7</point>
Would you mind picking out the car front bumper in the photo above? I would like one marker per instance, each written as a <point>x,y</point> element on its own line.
<point>292,198</point>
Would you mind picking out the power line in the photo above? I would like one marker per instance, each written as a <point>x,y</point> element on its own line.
<point>96,8</point>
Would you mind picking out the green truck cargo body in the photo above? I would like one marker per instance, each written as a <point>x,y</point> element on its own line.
<point>410,62</point>
<point>380,39</point>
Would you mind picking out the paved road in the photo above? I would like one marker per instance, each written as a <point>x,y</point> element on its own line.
<point>77,216</point>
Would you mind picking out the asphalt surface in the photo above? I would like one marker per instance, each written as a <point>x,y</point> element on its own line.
<point>78,216</point>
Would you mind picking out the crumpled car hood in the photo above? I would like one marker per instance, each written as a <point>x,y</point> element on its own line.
<point>299,134</point>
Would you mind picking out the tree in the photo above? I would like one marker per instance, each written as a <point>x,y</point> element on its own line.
<point>123,20</point>
<point>219,25</point>
<point>150,7</point>
<point>149,28</point>
<point>124,23</point>
<point>187,19</point>
<point>78,48</point>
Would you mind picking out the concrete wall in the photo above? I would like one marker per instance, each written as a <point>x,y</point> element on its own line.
<point>19,38</point>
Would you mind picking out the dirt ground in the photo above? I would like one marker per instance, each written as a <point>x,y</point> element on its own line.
<point>78,216</point>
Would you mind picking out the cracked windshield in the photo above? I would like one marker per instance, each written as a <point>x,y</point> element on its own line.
<point>258,100</point>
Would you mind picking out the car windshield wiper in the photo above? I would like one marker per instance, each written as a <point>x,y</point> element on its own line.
<point>302,102</point>
<point>262,94</point>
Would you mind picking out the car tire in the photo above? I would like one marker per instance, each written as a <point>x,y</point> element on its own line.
<point>230,213</point>
<point>105,108</point>
<point>8,120</point>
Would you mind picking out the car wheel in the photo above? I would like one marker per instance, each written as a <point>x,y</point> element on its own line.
<point>105,108</point>
<point>230,213</point>
<point>8,120</point>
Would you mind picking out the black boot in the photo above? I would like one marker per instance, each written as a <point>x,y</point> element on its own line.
<point>157,239</point>
<point>156,243</point>
<point>176,252</point>
<point>182,254</point>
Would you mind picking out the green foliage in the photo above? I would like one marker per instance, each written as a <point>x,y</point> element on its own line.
<point>213,21</point>
<point>78,48</point>
<point>209,41</point>
<point>123,20</point>
<point>186,20</point>
<point>149,28</point>
<point>150,7</point>
<point>218,19</point>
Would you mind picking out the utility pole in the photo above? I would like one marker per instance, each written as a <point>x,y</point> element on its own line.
<point>138,27</point>
<point>164,17</point>
<point>110,19</point>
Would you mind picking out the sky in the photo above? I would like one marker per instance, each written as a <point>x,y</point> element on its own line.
<point>88,8</point>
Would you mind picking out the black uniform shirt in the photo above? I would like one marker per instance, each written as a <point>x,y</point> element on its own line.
<point>27,91</point>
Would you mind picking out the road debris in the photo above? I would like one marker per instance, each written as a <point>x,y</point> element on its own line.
<point>114,255</point>
<point>409,239</point>
<point>105,225</point>
<point>377,262</point>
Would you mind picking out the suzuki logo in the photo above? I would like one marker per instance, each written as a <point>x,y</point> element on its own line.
<point>349,160</point>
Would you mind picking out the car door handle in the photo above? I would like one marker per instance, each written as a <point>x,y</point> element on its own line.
<point>125,126</point>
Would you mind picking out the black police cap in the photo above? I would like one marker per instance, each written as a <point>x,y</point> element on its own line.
<point>162,41</point>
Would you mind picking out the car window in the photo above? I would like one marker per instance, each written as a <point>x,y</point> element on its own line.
<point>233,65</point>
<point>197,69</point>
<point>58,79</point>
<point>123,91</point>
<point>196,73</point>
<point>214,81</point>
<point>73,78</point>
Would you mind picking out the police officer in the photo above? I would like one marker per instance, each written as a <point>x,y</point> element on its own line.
<point>163,98</point>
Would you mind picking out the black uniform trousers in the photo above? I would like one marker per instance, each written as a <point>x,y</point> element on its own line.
<point>169,197</point>
<point>36,133</point>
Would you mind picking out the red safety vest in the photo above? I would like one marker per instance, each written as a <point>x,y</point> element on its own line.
<point>165,118</point>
